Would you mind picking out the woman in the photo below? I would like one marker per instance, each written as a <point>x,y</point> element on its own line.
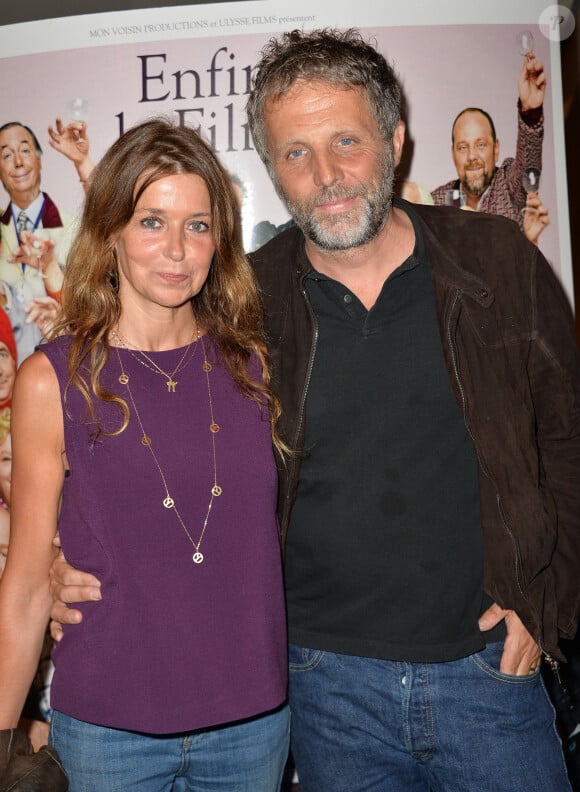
<point>144,430</point>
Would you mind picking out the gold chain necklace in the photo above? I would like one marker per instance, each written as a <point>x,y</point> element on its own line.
<point>170,381</point>
<point>168,501</point>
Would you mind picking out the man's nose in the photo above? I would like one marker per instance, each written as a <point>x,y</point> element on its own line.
<point>326,168</point>
<point>473,153</point>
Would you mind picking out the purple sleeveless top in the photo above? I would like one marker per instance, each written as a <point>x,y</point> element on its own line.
<point>173,646</point>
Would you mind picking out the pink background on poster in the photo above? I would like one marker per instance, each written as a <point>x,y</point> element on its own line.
<point>442,69</point>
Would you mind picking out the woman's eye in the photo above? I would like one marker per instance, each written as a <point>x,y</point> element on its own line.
<point>150,222</point>
<point>199,227</point>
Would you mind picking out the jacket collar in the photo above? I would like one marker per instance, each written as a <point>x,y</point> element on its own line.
<point>439,226</point>
<point>442,227</point>
<point>50,214</point>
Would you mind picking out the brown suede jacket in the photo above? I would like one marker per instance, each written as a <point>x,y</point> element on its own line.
<point>508,338</point>
<point>22,770</point>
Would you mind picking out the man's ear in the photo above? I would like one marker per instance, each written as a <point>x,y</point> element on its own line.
<point>398,142</point>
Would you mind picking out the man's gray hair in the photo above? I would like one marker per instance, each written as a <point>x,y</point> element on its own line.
<point>342,58</point>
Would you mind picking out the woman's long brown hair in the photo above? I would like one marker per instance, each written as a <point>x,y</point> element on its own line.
<point>228,306</point>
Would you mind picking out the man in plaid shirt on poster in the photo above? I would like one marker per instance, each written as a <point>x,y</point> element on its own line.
<point>475,150</point>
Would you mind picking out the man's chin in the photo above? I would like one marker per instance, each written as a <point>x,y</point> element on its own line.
<point>338,238</point>
<point>331,241</point>
<point>474,188</point>
<point>327,233</point>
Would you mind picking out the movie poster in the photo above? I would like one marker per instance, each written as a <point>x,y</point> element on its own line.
<point>194,63</point>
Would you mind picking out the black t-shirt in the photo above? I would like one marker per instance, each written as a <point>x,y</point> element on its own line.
<point>384,555</point>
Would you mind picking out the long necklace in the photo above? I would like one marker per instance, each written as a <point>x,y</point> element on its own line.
<point>168,501</point>
<point>170,381</point>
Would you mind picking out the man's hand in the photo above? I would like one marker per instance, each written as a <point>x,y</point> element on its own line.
<point>521,654</point>
<point>536,217</point>
<point>37,252</point>
<point>43,311</point>
<point>532,83</point>
<point>72,141</point>
<point>67,585</point>
<point>36,730</point>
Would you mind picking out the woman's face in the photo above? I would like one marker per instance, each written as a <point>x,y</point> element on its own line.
<point>165,251</point>
<point>7,374</point>
<point>6,468</point>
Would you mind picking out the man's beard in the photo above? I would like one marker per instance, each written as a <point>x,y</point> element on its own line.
<point>350,229</point>
<point>476,185</point>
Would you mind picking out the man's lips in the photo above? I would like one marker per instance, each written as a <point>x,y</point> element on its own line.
<point>336,205</point>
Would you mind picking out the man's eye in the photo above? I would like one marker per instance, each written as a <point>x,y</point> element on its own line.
<point>295,153</point>
<point>346,141</point>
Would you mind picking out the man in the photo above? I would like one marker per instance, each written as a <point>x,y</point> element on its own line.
<point>430,382</point>
<point>8,360</point>
<point>475,151</point>
<point>36,235</point>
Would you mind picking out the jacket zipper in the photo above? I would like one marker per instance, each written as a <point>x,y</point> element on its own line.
<point>300,420</point>
<point>552,662</point>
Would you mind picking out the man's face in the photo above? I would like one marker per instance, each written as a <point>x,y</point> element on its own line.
<point>330,164</point>
<point>474,152</point>
<point>20,165</point>
<point>7,374</point>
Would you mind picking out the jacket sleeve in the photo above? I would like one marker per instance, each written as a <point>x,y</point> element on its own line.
<point>554,372</point>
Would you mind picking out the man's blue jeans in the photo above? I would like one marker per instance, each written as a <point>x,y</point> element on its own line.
<point>248,756</point>
<point>365,725</point>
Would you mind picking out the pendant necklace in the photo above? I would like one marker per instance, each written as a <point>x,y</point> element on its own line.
<point>170,381</point>
<point>168,501</point>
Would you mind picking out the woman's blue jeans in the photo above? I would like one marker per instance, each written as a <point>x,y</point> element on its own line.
<point>365,725</point>
<point>248,756</point>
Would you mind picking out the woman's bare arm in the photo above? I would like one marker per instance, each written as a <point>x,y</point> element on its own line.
<point>37,479</point>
